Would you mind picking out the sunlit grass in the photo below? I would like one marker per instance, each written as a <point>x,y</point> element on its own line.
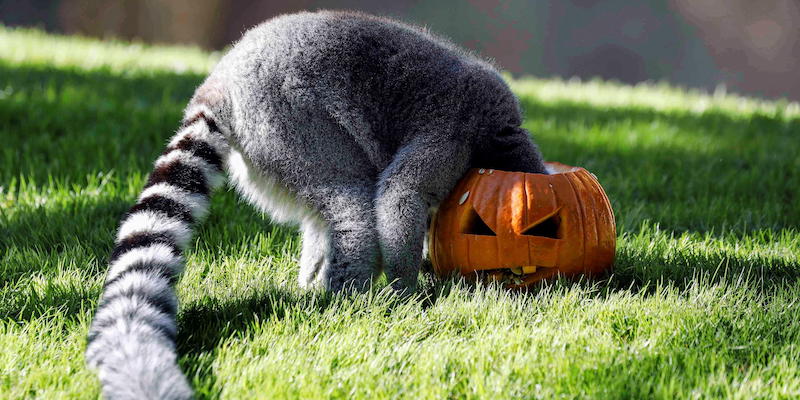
<point>702,303</point>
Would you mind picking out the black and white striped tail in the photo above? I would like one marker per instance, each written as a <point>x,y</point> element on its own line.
<point>132,338</point>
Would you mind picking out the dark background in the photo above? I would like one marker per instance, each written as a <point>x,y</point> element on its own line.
<point>745,46</point>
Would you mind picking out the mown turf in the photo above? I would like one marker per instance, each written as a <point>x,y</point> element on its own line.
<point>703,302</point>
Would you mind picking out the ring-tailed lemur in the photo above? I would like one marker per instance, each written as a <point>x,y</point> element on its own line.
<point>350,125</point>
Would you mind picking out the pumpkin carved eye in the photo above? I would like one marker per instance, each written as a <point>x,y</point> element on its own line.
<point>475,225</point>
<point>546,228</point>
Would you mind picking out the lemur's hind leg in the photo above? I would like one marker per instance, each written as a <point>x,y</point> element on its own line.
<point>353,256</point>
<point>420,176</point>
<point>314,255</point>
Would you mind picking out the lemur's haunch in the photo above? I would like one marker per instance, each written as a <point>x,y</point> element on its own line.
<point>352,126</point>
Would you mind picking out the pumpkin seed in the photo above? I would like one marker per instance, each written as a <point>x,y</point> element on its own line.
<point>463,198</point>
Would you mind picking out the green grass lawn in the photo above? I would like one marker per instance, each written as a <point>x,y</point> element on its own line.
<point>704,301</point>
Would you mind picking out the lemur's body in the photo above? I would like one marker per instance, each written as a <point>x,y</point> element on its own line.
<point>349,125</point>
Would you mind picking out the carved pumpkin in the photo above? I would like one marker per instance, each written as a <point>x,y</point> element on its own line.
<point>520,228</point>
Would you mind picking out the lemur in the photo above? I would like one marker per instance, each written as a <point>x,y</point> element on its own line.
<point>352,126</point>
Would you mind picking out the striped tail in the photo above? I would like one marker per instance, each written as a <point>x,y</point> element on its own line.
<point>132,338</point>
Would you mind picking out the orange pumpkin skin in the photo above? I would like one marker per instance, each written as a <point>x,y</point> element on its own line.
<point>534,224</point>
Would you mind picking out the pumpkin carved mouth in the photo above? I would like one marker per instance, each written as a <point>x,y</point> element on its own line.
<point>519,228</point>
<point>511,276</point>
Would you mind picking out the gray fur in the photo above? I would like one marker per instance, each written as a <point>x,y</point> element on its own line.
<point>370,123</point>
<point>352,126</point>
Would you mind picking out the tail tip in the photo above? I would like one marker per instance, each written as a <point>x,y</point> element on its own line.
<point>138,370</point>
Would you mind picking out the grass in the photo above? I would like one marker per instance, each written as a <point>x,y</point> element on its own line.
<point>703,301</point>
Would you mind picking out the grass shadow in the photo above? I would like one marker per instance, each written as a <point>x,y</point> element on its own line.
<point>62,124</point>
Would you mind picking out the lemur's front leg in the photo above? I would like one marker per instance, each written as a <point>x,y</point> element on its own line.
<point>419,177</point>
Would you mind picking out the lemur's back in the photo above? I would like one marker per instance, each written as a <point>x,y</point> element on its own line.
<point>352,126</point>
<point>380,81</point>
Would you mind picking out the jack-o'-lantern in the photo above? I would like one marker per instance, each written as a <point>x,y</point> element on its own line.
<point>520,228</point>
